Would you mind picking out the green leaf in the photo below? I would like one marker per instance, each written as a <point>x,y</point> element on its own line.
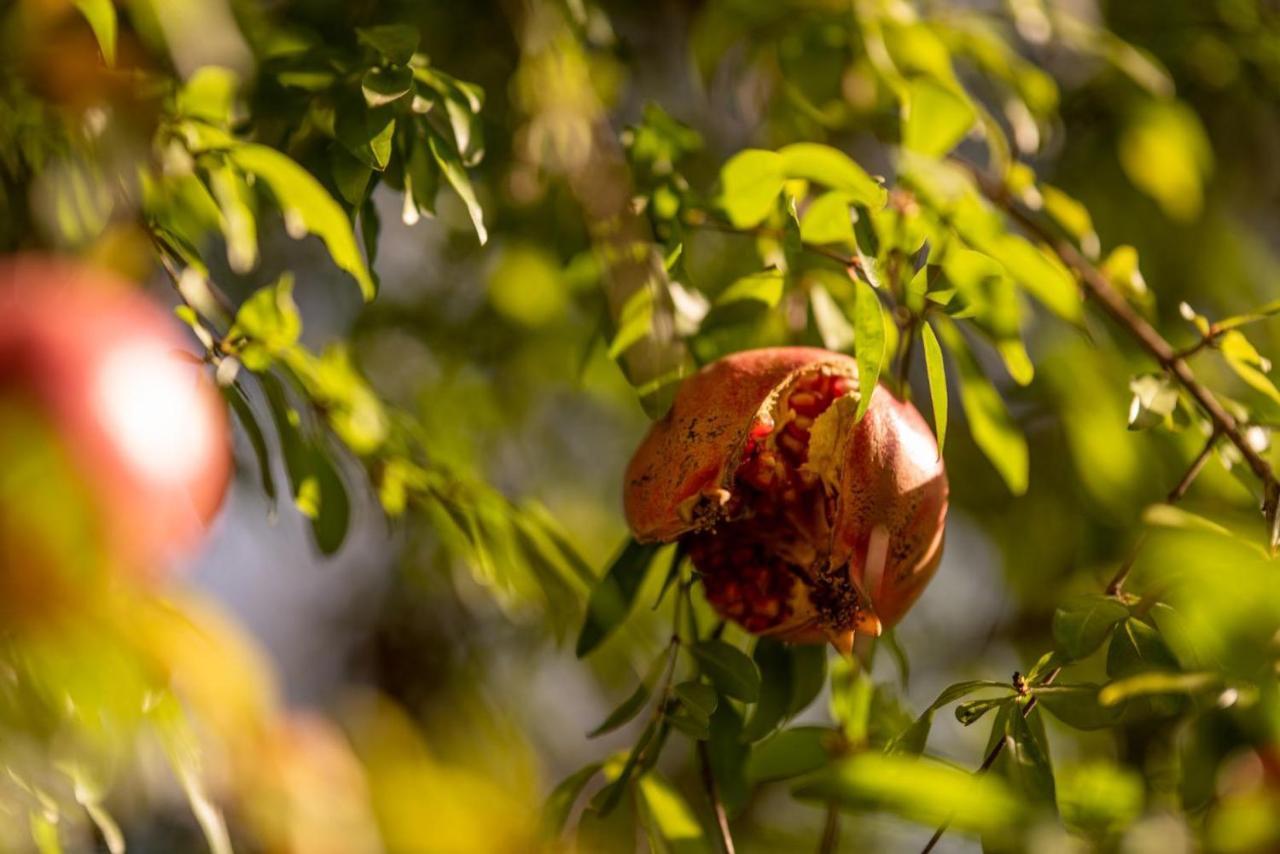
<point>833,327</point>
<point>1072,216</point>
<point>101,15</point>
<point>935,117</point>
<point>1077,706</point>
<point>1026,761</point>
<point>639,698</point>
<point>382,86</point>
<point>763,287</point>
<point>560,802</point>
<point>750,183</point>
<point>869,343</point>
<point>916,789</point>
<point>993,430</point>
<point>238,221</point>
<point>209,95</point>
<point>808,675</point>
<point>828,219</point>
<point>1137,647</point>
<point>1155,397</point>
<point>1165,152</point>
<point>789,753</point>
<point>395,43</point>
<point>774,663</point>
<point>1080,626</point>
<point>972,711</point>
<point>350,175</point>
<point>634,321</point>
<point>1248,364</point>
<point>913,739</point>
<point>671,818</point>
<point>1155,682</point>
<point>936,370</point>
<point>454,172</point>
<point>267,324</point>
<point>366,133</point>
<point>322,497</point>
<point>728,754</point>
<point>615,592</point>
<point>244,413</point>
<point>1040,273</point>
<point>307,207</point>
<point>729,668</point>
<point>700,699</point>
<point>833,168</point>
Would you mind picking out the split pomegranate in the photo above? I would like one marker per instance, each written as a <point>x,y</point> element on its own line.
<point>803,522</point>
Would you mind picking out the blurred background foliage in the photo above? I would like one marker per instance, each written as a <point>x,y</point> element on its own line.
<point>447,259</point>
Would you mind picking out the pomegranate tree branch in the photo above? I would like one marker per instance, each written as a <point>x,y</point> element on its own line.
<point>1100,290</point>
<point>994,753</point>
<point>713,794</point>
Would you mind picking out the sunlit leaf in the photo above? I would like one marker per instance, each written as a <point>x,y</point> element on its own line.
<point>828,219</point>
<point>916,789</point>
<point>935,117</point>
<point>1165,152</point>
<point>832,168</point>
<point>456,175</point>
<point>671,818</point>
<point>869,342</point>
<point>993,430</point>
<point>750,183</point>
<point>101,15</point>
<point>307,207</point>
<point>1248,364</point>
<point>936,371</point>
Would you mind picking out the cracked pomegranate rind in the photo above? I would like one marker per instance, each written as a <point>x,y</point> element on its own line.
<point>802,523</point>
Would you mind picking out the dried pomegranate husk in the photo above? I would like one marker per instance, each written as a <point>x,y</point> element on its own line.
<point>804,524</point>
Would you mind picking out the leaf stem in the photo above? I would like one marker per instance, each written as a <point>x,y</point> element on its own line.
<point>830,831</point>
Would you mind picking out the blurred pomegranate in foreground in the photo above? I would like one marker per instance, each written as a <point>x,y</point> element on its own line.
<point>102,422</point>
<point>803,524</point>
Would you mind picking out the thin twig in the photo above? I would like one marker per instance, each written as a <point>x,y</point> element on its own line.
<point>830,831</point>
<point>1099,288</point>
<point>713,793</point>
<point>993,755</point>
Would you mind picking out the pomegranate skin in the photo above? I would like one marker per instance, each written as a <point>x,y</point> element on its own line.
<point>146,431</point>
<point>693,448</point>
<point>867,533</point>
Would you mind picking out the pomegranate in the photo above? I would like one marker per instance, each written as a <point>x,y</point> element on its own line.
<point>94,368</point>
<point>802,523</point>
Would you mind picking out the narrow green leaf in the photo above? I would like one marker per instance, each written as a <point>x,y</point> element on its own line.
<point>1156,682</point>
<point>993,430</point>
<point>1027,761</point>
<point>729,669</point>
<point>700,699</point>
<point>614,593</point>
<point>562,798</point>
<point>936,370</point>
<point>750,183</point>
<point>868,343</point>
<point>382,86</point>
<point>307,207</point>
<point>456,175</point>
<point>935,117</point>
<point>101,15</point>
<point>1137,647</point>
<point>789,753</point>
<point>1081,625</point>
<point>1077,706</point>
<point>395,43</point>
<point>774,663</point>
<point>916,789</point>
<point>244,414</point>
